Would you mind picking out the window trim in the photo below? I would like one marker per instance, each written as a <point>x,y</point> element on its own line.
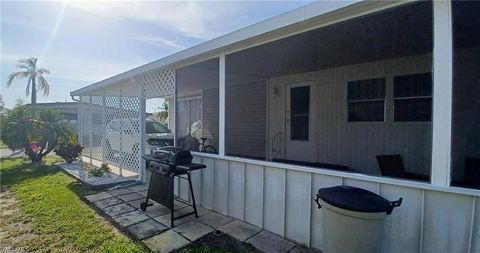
<point>384,99</point>
<point>394,99</point>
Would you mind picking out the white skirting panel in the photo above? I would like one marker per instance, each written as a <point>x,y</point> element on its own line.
<point>254,175</point>
<point>280,200</point>
<point>236,190</point>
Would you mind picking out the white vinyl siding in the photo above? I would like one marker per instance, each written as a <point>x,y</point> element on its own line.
<point>245,119</point>
<point>356,144</point>
<point>429,219</point>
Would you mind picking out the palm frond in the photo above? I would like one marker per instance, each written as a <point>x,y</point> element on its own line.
<point>27,89</point>
<point>24,66</point>
<point>16,75</point>
<point>42,71</point>
<point>43,85</point>
<point>30,63</point>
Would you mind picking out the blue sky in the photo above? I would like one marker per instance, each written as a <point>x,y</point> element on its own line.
<point>85,42</point>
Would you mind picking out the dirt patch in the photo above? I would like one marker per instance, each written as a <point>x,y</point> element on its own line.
<point>14,229</point>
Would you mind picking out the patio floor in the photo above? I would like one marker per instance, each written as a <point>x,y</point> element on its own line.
<point>152,227</point>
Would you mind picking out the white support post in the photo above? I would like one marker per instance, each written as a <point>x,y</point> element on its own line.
<point>90,125</point>
<point>221,116</point>
<point>174,110</point>
<point>79,121</point>
<point>120,98</point>
<point>104,129</point>
<point>139,85</point>
<point>442,92</point>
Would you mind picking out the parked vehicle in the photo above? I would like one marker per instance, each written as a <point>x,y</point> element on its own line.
<point>157,135</point>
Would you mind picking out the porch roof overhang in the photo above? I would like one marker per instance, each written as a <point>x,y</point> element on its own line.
<point>302,19</point>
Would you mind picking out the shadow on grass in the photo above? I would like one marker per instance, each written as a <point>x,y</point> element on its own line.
<point>51,200</point>
<point>14,171</point>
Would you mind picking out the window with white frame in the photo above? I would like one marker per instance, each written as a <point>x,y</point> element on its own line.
<point>366,100</point>
<point>412,97</point>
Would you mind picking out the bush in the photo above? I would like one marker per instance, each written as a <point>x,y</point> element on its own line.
<point>38,133</point>
<point>99,172</point>
<point>68,147</point>
<point>69,152</point>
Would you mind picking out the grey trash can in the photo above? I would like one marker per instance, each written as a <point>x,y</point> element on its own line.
<point>352,219</point>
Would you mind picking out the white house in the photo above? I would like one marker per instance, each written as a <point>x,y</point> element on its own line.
<point>317,97</point>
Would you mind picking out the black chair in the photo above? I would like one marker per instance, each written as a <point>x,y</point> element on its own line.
<point>392,166</point>
<point>472,172</point>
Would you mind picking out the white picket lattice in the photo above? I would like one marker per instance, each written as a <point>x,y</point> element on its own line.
<point>112,131</point>
<point>97,127</point>
<point>85,124</point>
<point>110,119</point>
<point>159,83</point>
<point>131,133</point>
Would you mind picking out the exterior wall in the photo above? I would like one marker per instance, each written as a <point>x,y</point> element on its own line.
<point>356,143</point>
<point>279,198</point>
<point>245,119</point>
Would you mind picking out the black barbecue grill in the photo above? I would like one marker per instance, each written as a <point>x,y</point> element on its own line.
<point>165,164</point>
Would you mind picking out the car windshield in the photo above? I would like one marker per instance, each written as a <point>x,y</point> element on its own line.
<point>156,127</point>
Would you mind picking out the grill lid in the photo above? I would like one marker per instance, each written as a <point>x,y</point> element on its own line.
<point>356,199</point>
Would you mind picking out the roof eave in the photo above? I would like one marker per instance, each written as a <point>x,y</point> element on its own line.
<point>312,12</point>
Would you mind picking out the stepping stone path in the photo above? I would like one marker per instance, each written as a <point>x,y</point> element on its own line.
<point>270,243</point>
<point>107,202</point>
<point>152,227</point>
<point>146,228</point>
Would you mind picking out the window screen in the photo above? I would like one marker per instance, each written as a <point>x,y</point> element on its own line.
<point>366,100</point>
<point>413,97</point>
<point>299,113</point>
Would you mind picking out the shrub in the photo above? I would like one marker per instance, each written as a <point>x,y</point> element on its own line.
<point>68,147</point>
<point>69,152</point>
<point>38,134</point>
<point>99,172</point>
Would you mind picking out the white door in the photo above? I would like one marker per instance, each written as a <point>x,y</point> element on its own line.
<point>300,123</point>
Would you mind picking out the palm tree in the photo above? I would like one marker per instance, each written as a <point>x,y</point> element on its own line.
<point>162,115</point>
<point>34,76</point>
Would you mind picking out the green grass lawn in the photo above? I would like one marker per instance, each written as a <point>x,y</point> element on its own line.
<point>50,205</point>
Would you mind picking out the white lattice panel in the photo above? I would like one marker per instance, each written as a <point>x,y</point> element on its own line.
<point>131,133</point>
<point>159,83</point>
<point>112,130</point>
<point>97,127</point>
<point>85,124</point>
<point>110,126</point>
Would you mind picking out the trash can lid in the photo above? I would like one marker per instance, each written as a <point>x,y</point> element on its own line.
<point>354,199</point>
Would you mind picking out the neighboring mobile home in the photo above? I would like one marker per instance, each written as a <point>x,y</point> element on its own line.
<point>69,111</point>
<point>383,95</point>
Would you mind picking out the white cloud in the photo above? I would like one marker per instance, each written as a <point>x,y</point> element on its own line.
<point>158,41</point>
<point>11,59</point>
<point>86,69</point>
<point>194,19</point>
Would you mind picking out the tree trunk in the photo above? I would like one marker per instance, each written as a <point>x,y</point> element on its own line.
<point>34,96</point>
<point>29,152</point>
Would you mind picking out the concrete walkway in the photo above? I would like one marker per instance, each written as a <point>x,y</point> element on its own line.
<point>8,153</point>
<point>152,227</point>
